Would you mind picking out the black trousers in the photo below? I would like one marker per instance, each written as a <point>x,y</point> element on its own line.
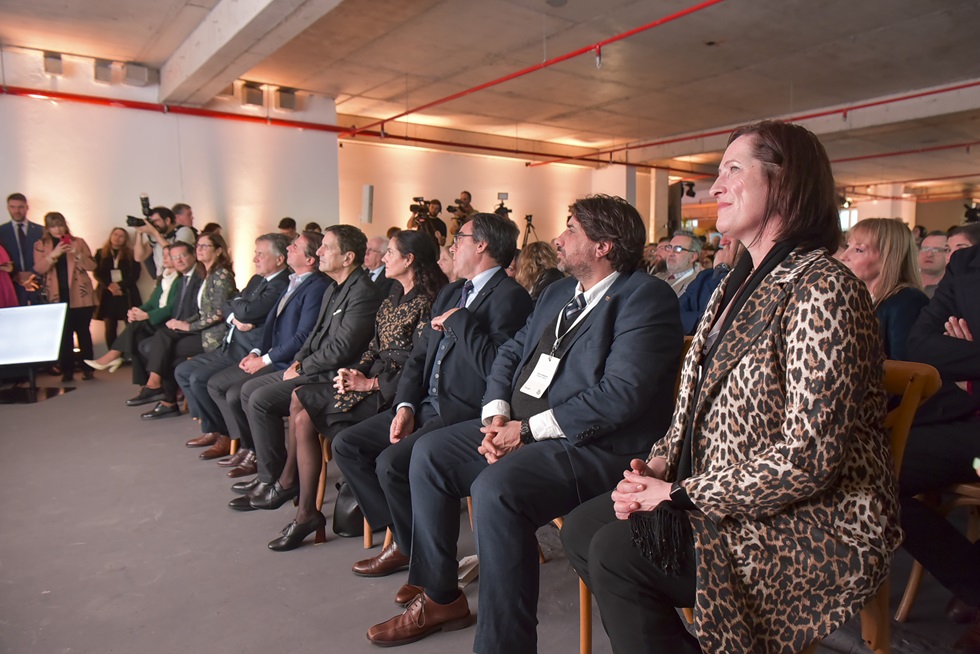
<point>76,323</point>
<point>129,343</point>
<point>937,456</point>
<point>225,390</point>
<point>377,470</point>
<point>512,498</point>
<point>192,376</point>
<point>165,349</point>
<point>266,402</point>
<point>636,598</point>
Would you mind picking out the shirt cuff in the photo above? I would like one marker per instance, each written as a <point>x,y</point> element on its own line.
<point>231,316</point>
<point>266,359</point>
<point>408,405</point>
<point>495,408</point>
<point>544,426</point>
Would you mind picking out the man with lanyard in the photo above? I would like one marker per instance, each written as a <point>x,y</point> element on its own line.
<point>584,387</point>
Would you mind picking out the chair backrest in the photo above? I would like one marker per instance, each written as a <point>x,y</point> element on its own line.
<point>915,383</point>
<point>684,348</point>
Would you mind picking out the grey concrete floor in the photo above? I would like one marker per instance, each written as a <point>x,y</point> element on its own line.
<point>114,537</point>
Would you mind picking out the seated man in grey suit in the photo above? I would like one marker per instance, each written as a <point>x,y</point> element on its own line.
<point>584,387</point>
<point>343,330</point>
<point>283,333</point>
<point>243,313</point>
<point>443,381</point>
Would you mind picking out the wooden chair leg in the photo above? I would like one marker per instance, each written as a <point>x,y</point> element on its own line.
<point>584,618</point>
<point>234,447</point>
<point>875,622</point>
<point>322,485</point>
<point>469,509</point>
<point>911,590</point>
<point>812,649</point>
<point>389,538</point>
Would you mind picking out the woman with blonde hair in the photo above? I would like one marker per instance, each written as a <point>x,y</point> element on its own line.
<point>537,268</point>
<point>116,272</point>
<point>64,261</point>
<point>881,253</point>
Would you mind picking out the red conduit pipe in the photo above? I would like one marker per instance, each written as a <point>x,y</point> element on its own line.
<point>595,47</point>
<point>819,114</point>
<point>899,153</point>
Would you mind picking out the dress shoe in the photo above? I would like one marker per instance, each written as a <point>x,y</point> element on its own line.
<point>67,377</point>
<point>112,366</point>
<point>234,460</point>
<point>960,612</point>
<point>221,447</point>
<point>273,497</point>
<point>406,594</point>
<point>88,374</point>
<point>294,533</point>
<point>161,410</point>
<point>146,396</point>
<point>245,487</point>
<point>246,467</point>
<point>390,561</point>
<point>244,503</point>
<point>422,617</point>
<point>204,440</point>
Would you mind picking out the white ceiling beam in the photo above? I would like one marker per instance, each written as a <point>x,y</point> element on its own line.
<point>232,39</point>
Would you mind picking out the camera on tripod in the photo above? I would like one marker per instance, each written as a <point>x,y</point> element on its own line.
<point>501,210</point>
<point>133,221</point>
<point>457,208</point>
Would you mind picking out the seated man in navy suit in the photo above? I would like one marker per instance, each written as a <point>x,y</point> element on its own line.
<point>289,321</point>
<point>584,387</point>
<point>244,314</point>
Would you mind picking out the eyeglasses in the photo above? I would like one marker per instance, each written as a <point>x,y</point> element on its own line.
<point>932,250</point>
<point>678,249</point>
<point>460,235</point>
<point>180,256</point>
<point>203,246</point>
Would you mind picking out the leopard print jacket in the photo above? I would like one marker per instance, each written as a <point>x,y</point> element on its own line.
<point>793,480</point>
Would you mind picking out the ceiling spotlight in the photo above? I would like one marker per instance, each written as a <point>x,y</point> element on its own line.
<point>690,189</point>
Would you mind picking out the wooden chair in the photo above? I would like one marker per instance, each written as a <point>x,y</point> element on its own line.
<point>967,495</point>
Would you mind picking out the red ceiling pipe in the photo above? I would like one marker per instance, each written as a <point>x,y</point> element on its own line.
<point>595,47</point>
<point>819,114</point>
<point>899,153</point>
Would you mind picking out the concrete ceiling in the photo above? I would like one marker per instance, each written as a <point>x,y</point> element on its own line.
<point>729,63</point>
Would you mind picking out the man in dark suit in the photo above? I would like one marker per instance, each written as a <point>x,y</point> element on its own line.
<point>18,238</point>
<point>344,328</point>
<point>946,438</point>
<point>376,249</point>
<point>244,314</point>
<point>583,388</point>
<point>283,333</point>
<point>442,383</point>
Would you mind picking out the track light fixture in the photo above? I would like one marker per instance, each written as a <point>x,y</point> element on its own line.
<point>690,189</point>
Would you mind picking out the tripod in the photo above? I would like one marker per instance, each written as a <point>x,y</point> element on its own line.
<point>528,228</point>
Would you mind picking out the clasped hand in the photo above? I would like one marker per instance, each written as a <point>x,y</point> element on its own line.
<point>251,363</point>
<point>642,488</point>
<point>502,436</point>
<point>348,380</point>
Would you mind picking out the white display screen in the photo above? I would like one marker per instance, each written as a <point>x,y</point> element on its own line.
<point>31,334</point>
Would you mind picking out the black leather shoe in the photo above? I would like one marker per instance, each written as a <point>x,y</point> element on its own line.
<point>273,497</point>
<point>294,533</point>
<point>245,487</point>
<point>146,396</point>
<point>243,503</point>
<point>161,410</point>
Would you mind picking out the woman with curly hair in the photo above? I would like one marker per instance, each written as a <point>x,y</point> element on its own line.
<point>537,268</point>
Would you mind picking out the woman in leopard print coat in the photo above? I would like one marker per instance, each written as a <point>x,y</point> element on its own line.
<point>776,448</point>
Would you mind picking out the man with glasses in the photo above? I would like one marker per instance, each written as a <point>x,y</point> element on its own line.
<point>377,247</point>
<point>682,261</point>
<point>932,261</point>
<point>443,382</point>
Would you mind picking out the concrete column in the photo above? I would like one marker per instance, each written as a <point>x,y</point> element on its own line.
<point>659,185</point>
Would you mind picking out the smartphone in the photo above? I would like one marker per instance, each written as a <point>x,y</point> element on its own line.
<point>66,239</point>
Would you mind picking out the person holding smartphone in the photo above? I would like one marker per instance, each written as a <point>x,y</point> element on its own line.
<point>63,261</point>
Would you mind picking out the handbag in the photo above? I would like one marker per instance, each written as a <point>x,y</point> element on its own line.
<point>348,520</point>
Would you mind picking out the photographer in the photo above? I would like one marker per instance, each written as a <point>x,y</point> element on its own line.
<point>159,229</point>
<point>430,222</point>
<point>462,212</point>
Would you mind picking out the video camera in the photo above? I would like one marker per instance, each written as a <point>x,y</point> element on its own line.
<point>458,207</point>
<point>501,210</point>
<point>420,208</point>
<point>133,221</point>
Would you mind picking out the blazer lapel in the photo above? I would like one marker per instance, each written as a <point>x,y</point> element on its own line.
<point>486,290</point>
<point>599,309</point>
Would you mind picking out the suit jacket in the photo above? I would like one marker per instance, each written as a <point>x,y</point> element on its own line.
<point>8,238</point>
<point>473,335</point>
<point>187,309</point>
<point>383,283</point>
<point>81,292</point>
<point>252,306</point>
<point>792,477</point>
<point>614,387</point>
<point>956,359</point>
<point>695,298</point>
<point>338,339</point>
<point>284,332</point>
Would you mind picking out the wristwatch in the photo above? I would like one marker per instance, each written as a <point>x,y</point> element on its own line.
<point>526,436</point>
<point>299,367</point>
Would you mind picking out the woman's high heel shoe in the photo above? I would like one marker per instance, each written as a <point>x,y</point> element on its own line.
<point>112,366</point>
<point>294,533</point>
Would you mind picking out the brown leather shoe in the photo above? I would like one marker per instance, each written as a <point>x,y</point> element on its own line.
<point>390,561</point>
<point>421,618</point>
<point>234,460</point>
<point>960,612</point>
<point>204,440</point>
<point>221,447</point>
<point>246,467</point>
<point>406,594</point>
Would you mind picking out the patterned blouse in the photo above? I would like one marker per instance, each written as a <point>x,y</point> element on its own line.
<point>401,320</point>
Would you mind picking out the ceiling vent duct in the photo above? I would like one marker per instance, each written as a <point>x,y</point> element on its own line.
<point>253,95</point>
<point>53,64</point>
<point>285,99</point>
<point>136,75</point>
<point>103,71</point>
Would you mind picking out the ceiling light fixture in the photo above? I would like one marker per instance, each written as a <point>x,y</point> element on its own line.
<point>690,189</point>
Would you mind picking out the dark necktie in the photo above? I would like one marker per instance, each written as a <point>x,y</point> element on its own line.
<point>467,289</point>
<point>21,243</point>
<point>573,308</point>
<point>183,295</point>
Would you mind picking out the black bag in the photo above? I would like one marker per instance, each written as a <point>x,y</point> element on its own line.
<point>348,520</point>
